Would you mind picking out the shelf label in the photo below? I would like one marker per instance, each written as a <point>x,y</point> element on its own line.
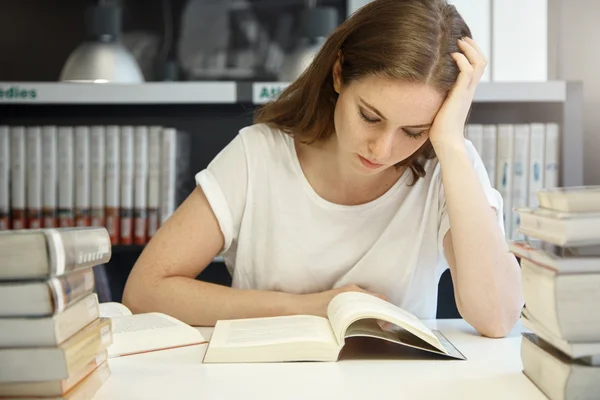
<point>15,92</point>
<point>263,92</point>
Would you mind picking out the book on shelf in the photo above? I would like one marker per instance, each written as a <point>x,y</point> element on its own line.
<point>98,175</point>
<point>146,332</point>
<point>314,338</point>
<point>47,252</point>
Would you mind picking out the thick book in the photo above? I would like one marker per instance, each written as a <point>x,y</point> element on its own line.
<point>572,199</point>
<point>566,304</point>
<point>49,331</point>
<point>53,388</point>
<point>584,352</point>
<point>314,338</point>
<point>559,258</point>
<point>555,374</point>
<point>142,333</point>
<point>560,228</point>
<point>22,364</point>
<point>38,298</point>
<point>81,386</point>
<point>42,253</point>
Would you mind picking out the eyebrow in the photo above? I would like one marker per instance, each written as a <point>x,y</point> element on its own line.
<point>376,111</point>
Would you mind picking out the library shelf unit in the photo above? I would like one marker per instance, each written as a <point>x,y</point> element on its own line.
<point>214,112</point>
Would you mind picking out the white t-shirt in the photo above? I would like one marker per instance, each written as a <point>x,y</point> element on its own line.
<point>281,235</point>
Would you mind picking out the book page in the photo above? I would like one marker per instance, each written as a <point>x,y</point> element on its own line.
<point>140,333</point>
<point>349,307</point>
<point>110,310</point>
<point>272,330</point>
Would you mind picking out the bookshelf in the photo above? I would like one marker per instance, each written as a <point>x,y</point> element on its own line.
<point>213,112</point>
<point>231,92</point>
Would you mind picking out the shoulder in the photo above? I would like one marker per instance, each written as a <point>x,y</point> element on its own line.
<point>263,136</point>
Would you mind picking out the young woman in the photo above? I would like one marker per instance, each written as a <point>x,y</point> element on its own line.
<point>358,177</point>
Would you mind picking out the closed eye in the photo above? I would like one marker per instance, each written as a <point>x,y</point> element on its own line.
<point>414,134</point>
<point>367,119</point>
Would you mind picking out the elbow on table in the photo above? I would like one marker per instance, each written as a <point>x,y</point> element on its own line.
<point>499,325</point>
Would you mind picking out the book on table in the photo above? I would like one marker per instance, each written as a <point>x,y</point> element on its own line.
<point>140,333</point>
<point>315,338</point>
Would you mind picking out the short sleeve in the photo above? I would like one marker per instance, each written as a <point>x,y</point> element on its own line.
<point>224,183</point>
<point>493,196</point>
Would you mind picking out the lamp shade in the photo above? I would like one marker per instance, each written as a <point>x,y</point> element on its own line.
<point>101,57</point>
<point>101,62</point>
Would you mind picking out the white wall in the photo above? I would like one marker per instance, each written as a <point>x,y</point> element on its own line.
<point>575,55</point>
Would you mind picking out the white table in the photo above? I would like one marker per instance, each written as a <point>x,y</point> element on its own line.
<point>493,370</point>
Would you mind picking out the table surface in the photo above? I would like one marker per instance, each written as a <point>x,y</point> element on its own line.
<point>493,370</point>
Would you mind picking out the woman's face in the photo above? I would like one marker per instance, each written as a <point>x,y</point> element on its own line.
<point>380,122</point>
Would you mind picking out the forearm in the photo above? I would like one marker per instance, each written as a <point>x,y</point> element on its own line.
<point>488,278</point>
<point>201,303</point>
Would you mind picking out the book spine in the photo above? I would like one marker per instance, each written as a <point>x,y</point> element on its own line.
<point>127,178</point>
<point>49,175</point>
<point>69,288</point>
<point>18,188</point>
<point>474,133</point>
<point>168,174</point>
<point>175,164</point>
<point>4,178</point>
<point>154,143</point>
<point>490,148</point>
<point>520,192</point>
<point>66,177</point>
<point>97,172</point>
<point>34,177</point>
<point>551,157</point>
<point>73,249</point>
<point>82,176</point>
<point>113,163</point>
<point>504,172</point>
<point>141,185</point>
<point>537,149</point>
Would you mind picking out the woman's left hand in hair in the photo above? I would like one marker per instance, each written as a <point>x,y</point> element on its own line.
<point>447,131</point>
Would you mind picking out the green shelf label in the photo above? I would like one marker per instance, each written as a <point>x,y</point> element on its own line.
<point>17,93</point>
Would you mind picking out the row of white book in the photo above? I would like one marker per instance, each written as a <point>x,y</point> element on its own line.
<point>122,177</point>
<point>520,160</point>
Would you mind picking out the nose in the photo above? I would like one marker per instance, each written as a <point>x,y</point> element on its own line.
<point>381,146</point>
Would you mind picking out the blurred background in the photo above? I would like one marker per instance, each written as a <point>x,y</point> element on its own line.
<point>198,69</point>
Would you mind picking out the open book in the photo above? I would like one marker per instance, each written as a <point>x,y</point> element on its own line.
<point>139,333</point>
<point>314,338</point>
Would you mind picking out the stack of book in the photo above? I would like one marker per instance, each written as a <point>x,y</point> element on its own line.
<point>560,264</point>
<point>52,340</point>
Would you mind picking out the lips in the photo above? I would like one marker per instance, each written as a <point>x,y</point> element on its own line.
<point>369,164</point>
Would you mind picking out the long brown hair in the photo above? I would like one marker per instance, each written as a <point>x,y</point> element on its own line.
<point>408,40</point>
